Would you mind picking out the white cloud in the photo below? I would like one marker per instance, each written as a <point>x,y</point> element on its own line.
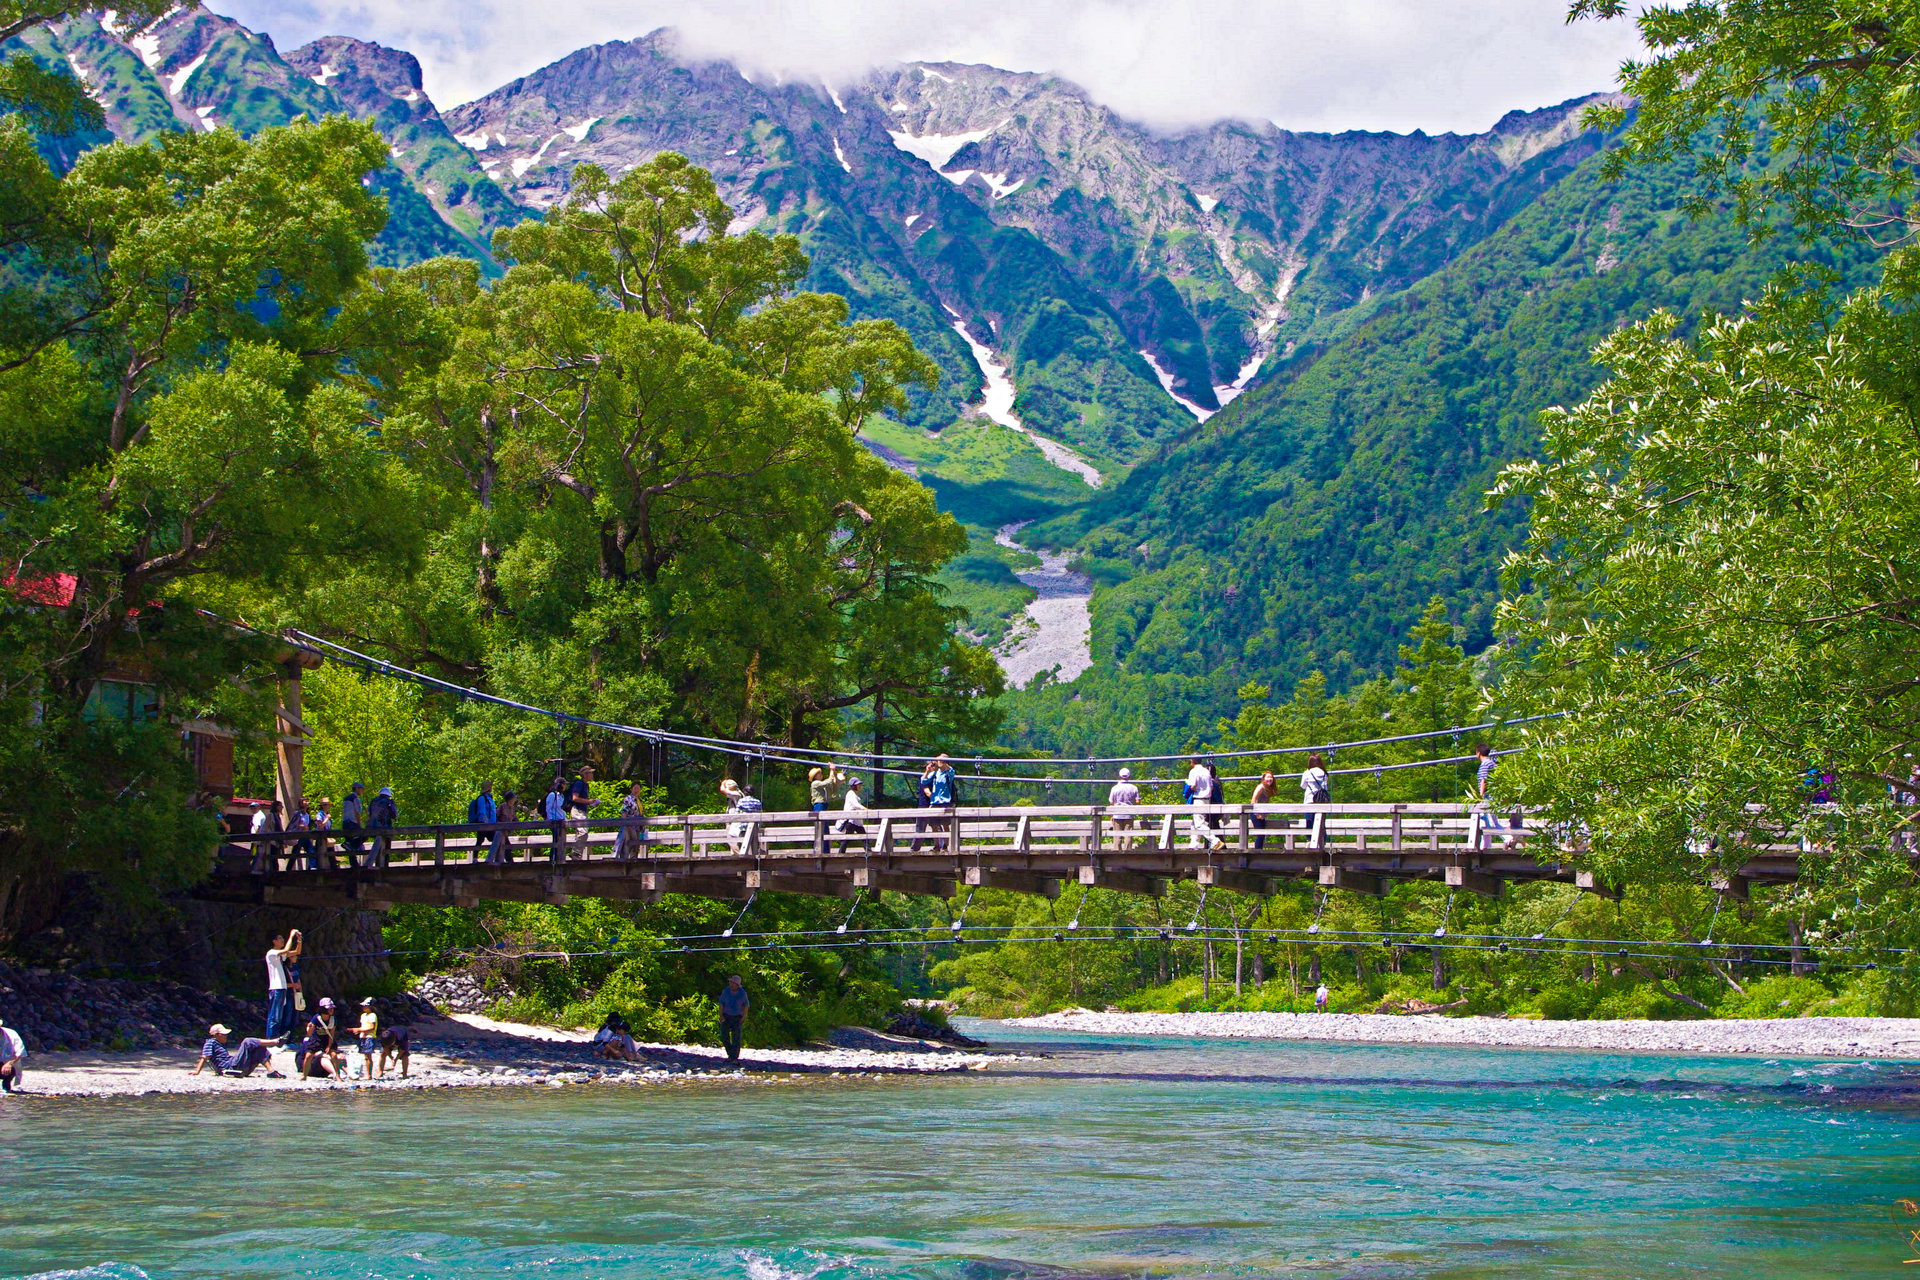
<point>1437,65</point>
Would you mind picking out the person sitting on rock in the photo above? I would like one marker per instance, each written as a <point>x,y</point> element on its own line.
<point>317,1056</point>
<point>393,1045</point>
<point>615,1040</point>
<point>13,1059</point>
<point>252,1055</point>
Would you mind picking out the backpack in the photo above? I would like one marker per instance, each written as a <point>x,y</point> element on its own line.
<point>473,810</point>
<point>385,811</point>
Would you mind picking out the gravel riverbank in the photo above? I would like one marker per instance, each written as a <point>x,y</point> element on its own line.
<point>1782,1037</point>
<point>471,1050</point>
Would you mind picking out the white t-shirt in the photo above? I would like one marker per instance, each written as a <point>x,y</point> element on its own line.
<point>12,1047</point>
<point>259,821</point>
<point>276,971</point>
<point>1123,793</point>
<point>854,803</point>
<point>1314,779</point>
<point>1321,994</point>
<point>1200,784</point>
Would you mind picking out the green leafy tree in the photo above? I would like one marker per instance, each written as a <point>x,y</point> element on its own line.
<point>171,434</point>
<point>1808,103</point>
<point>653,507</point>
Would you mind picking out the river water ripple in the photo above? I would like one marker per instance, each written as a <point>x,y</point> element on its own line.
<point>1108,1157</point>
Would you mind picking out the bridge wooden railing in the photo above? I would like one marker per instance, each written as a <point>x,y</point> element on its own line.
<point>1031,849</point>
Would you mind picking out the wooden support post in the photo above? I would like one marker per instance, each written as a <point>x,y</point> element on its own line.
<point>1243,881</point>
<point>1246,824</point>
<point>1093,841</point>
<point>1166,834</point>
<point>819,836</point>
<point>557,852</point>
<point>902,882</point>
<point>1124,881</point>
<point>1474,882</point>
<point>1022,835</point>
<point>883,841</point>
<point>1730,883</point>
<point>1396,830</point>
<point>439,846</point>
<point>1017,881</point>
<point>1352,881</point>
<point>290,743</point>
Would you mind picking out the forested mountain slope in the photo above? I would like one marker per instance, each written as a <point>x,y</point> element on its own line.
<point>1305,527</point>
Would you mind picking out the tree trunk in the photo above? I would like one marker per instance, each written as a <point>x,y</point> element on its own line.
<point>1239,962</point>
<point>1799,967</point>
<point>1259,970</point>
<point>1439,971</point>
<point>1313,973</point>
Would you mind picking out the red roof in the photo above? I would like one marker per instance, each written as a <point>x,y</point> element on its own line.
<point>55,589</point>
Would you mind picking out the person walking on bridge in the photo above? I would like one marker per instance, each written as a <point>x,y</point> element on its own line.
<point>554,808</point>
<point>633,833</point>
<point>1316,784</point>
<point>508,813</point>
<point>943,792</point>
<point>353,820</point>
<point>1199,789</point>
<point>580,803</point>
<point>481,812</point>
<point>854,810</point>
<point>383,815</point>
<point>1263,794</point>
<point>733,1016</point>
<point>1123,795</point>
<point>820,785</point>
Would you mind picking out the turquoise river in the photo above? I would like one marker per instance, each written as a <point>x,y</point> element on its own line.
<point>1109,1157</point>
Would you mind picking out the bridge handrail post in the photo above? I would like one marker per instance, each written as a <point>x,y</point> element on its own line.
<point>557,844</point>
<point>439,847</point>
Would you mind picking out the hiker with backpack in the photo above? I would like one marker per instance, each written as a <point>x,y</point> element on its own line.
<point>482,812</point>
<point>383,815</point>
<point>1316,784</point>
<point>580,804</point>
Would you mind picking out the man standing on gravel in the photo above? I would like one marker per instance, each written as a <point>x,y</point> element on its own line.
<point>285,949</point>
<point>13,1059</point>
<point>733,1016</point>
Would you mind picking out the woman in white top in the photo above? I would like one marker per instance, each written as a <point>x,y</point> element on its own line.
<point>1316,784</point>
<point>850,825</point>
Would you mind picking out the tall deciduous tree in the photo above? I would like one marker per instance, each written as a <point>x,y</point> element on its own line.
<point>169,427</point>
<point>658,509</point>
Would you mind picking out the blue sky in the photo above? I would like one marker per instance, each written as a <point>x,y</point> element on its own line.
<point>1437,65</point>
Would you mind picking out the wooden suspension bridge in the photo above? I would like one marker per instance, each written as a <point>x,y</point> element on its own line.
<point>1361,848</point>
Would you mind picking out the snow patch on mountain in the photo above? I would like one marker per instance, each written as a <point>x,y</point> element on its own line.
<point>840,154</point>
<point>1207,203</point>
<point>578,132</point>
<point>178,80</point>
<point>836,99</point>
<point>147,45</point>
<point>1225,394</point>
<point>998,184</point>
<point>474,141</point>
<point>936,148</point>
<point>327,72</point>
<point>958,177</point>
<point>525,163</point>
<point>1166,384</point>
<point>206,118</point>
<point>996,404</point>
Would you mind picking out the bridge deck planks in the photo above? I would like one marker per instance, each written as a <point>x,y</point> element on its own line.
<point>1363,848</point>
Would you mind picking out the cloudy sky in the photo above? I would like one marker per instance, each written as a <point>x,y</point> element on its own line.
<point>1436,65</point>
